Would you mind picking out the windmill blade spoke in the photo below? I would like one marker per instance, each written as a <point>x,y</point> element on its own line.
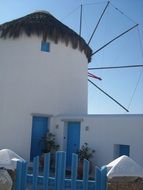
<point>98,23</point>
<point>94,76</point>
<point>108,96</point>
<point>116,67</point>
<point>80,26</point>
<point>114,39</point>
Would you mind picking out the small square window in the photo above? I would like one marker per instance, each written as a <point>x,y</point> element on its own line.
<point>45,46</point>
<point>120,149</point>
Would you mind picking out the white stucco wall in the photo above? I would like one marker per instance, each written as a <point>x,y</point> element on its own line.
<point>32,81</point>
<point>107,130</point>
<point>104,132</point>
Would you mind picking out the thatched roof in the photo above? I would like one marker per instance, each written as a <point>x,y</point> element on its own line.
<point>43,23</point>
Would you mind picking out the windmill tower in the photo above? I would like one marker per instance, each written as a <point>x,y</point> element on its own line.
<point>43,72</point>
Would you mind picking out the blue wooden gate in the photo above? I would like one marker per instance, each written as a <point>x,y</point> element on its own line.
<point>59,181</point>
<point>73,140</point>
<point>39,130</point>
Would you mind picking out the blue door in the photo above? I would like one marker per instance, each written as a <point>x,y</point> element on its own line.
<point>124,150</point>
<point>39,129</point>
<point>73,140</point>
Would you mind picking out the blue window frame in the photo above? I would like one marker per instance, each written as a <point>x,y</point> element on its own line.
<point>45,46</point>
<point>121,149</point>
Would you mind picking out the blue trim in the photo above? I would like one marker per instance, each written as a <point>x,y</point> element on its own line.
<point>98,178</point>
<point>35,173</point>
<point>18,175</point>
<point>85,174</point>
<point>60,170</point>
<point>59,182</point>
<point>121,149</point>
<point>46,171</point>
<point>103,178</point>
<point>74,171</point>
<point>124,150</point>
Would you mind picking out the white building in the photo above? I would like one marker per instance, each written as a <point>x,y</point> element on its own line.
<point>110,135</point>
<point>43,85</point>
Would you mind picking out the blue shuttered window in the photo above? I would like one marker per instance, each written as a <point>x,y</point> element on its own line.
<point>45,46</point>
<point>120,149</point>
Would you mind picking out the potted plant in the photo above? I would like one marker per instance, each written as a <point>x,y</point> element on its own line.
<point>49,146</point>
<point>84,153</point>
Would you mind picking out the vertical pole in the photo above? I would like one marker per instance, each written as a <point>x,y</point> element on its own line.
<point>35,173</point>
<point>103,178</point>
<point>60,170</point>
<point>46,171</point>
<point>80,20</point>
<point>98,178</point>
<point>24,176</point>
<point>18,175</point>
<point>85,174</point>
<point>74,171</point>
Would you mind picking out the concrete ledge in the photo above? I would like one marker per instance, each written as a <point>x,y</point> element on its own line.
<point>125,183</point>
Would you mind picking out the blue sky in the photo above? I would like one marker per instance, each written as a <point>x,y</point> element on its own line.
<point>128,50</point>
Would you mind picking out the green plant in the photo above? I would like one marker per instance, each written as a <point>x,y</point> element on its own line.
<point>49,143</point>
<point>85,152</point>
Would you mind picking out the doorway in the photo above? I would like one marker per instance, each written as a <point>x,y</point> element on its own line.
<point>73,140</point>
<point>39,130</point>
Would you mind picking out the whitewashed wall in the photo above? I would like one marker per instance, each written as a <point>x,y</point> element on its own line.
<point>32,81</point>
<point>104,131</point>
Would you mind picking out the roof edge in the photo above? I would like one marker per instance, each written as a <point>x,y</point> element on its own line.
<point>42,23</point>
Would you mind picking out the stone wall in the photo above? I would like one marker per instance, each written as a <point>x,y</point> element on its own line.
<point>125,183</point>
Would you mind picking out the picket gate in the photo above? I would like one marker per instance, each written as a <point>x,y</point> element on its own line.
<point>35,181</point>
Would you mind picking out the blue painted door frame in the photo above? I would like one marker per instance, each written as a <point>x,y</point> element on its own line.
<point>73,140</point>
<point>39,129</point>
